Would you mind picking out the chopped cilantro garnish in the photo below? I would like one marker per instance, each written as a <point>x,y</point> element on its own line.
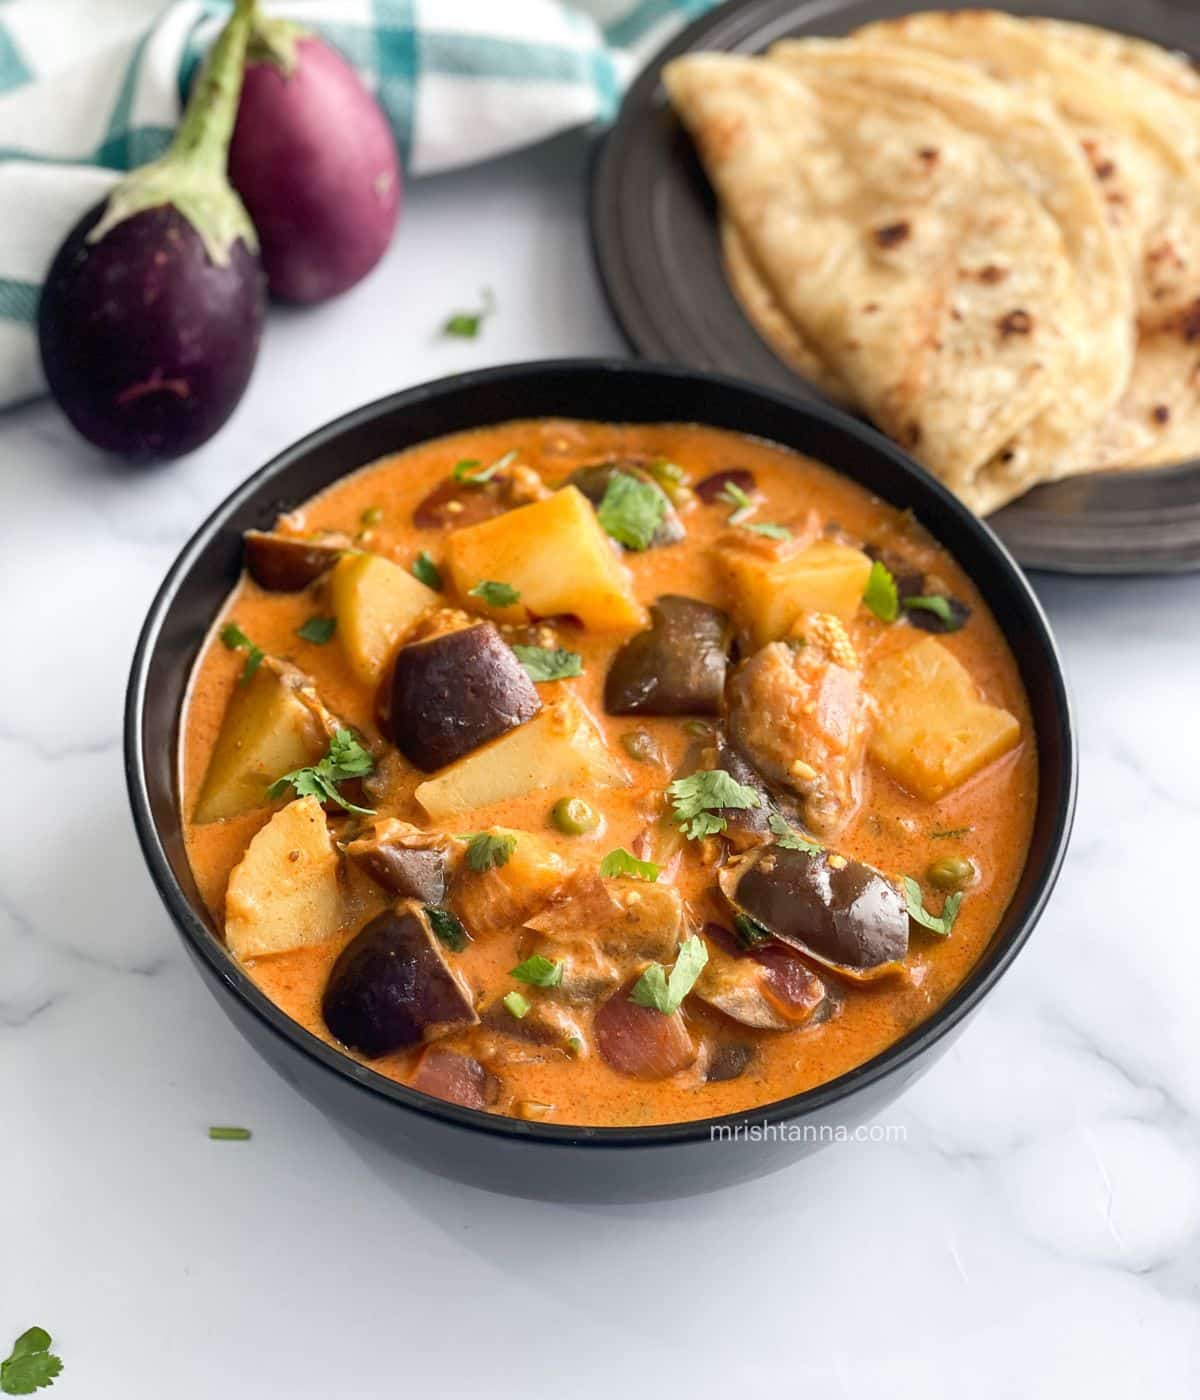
<point>940,924</point>
<point>665,993</point>
<point>938,606</point>
<point>236,640</point>
<point>631,510</point>
<point>471,472</point>
<point>697,798</point>
<point>538,971</point>
<point>446,928</point>
<point>485,850</point>
<point>467,323</point>
<point>549,663</point>
<point>880,593</point>
<point>749,931</point>
<point>346,759</point>
<point>621,862</point>
<point>426,571</point>
<point>790,839</point>
<point>494,594</point>
<point>516,1005</point>
<point>772,532</point>
<point>317,630</point>
<point>733,495</point>
<point>30,1365</point>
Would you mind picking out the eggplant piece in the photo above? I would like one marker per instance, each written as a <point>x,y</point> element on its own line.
<point>284,564</point>
<point>593,482</point>
<point>744,826</point>
<point>639,1041</point>
<point>839,911</point>
<point>460,1079</point>
<point>453,692</point>
<point>729,1060</point>
<point>766,987</point>
<point>391,984</point>
<point>676,667</point>
<point>453,503</point>
<point>709,490</point>
<point>408,862</point>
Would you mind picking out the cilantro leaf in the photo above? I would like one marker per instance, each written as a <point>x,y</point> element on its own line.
<point>772,532</point>
<point>229,1134</point>
<point>317,630</point>
<point>880,593</point>
<point>749,931</point>
<point>485,850</point>
<point>697,798</point>
<point>30,1365</point>
<point>467,323</point>
<point>346,759</point>
<point>549,663</point>
<point>494,594</point>
<point>516,1005</point>
<point>935,923</point>
<point>621,862</point>
<point>938,606</point>
<point>426,571</point>
<point>790,839</point>
<point>447,928</point>
<point>236,640</point>
<point>733,495</point>
<point>665,993</point>
<point>471,472</point>
<point>631,510</point>
<point>538,971</point>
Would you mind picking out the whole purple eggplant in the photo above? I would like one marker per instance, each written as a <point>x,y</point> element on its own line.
<point>152,311</point>
<point>314,160</point>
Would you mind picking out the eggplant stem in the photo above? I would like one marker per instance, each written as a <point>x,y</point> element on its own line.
<point>207,126</point>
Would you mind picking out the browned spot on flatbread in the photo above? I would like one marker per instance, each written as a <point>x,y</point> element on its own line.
<point>992,274</point>
<point>890,235</point>
<point>1189,322</point>
<point>1161,413</point>
<point>1015,323</point>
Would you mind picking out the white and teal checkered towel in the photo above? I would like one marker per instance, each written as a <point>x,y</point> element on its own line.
<point>460,80</point>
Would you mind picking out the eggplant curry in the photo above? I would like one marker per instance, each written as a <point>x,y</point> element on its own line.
<point>605,774</point>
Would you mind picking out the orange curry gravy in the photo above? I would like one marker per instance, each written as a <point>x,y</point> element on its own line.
<point>987,818</point>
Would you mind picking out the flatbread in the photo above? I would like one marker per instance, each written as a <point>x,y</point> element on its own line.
<point>1136,111</point>
<point>770,320</point>
<point>1049,164</point>
<point>879,255</point>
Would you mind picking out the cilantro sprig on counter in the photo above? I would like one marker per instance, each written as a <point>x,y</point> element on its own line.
<point>346,759</point>
<point>30,1365</point>
<point>663,991</point>
<point>466,324</point>
<point>698,798</point>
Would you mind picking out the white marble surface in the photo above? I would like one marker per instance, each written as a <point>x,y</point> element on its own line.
<point>1038,1234</point>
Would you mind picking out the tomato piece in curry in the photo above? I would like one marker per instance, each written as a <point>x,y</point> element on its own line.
<point>605,774</point>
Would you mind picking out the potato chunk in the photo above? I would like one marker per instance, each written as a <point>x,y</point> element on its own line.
<point>274,723</point>
<point>376,603</point>
<point>284,893</point>
<point>933,731</point>
<point>555,555</point>
<point>769,593</point>
<point>560,748</point>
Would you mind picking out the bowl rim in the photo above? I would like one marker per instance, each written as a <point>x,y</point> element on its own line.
<point>894,1059</point>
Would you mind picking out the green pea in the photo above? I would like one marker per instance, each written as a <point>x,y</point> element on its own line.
<point>640,746</point>
<point>574,817</point>
<point>951,873</point>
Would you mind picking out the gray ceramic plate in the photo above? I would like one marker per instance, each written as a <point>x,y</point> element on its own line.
<point>655,237</point>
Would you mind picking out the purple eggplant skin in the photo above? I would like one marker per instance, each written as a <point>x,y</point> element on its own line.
<point>315,163</point>
<point>147,345</point>
<point>839,911</point>
<point>391,983</point>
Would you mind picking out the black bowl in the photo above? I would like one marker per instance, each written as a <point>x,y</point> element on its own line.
<point>504,1154</point>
